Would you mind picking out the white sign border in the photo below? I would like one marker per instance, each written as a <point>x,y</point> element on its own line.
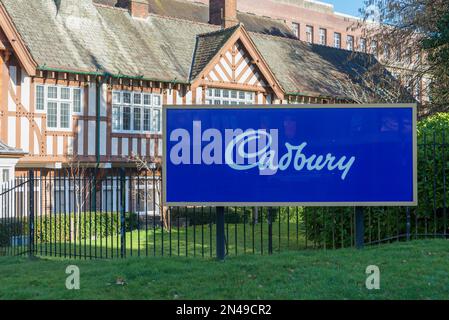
<point>412,203</point>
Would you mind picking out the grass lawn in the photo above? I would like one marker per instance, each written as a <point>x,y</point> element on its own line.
<point>191,241</point>
<point>414,270</point>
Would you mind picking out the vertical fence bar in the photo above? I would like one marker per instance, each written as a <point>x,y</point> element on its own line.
<point>244,230</point>
<point>434,185</point>
<point>253,232</point>
<point>202,232</point>
<point>359,227</point>
<point>270,230</point>
<point>138,202</point>
<point>154,211</point>
<point>235,230</point>
<point>146,212</point>
<point>220,249</point>
<point>31,214</point>
<point>194,231</point>
<point>408,224</point>
<point>443,151</point>
<point>210,232</point>
<point>122,213</point>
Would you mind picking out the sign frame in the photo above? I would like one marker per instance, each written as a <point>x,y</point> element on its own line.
<point>412,203</point>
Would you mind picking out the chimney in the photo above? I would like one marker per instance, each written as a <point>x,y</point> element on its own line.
<point>139,8</point>
<point>223,13</point>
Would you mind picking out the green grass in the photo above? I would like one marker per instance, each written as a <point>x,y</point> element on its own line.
<point>413,270</point>
<point>191,241</point>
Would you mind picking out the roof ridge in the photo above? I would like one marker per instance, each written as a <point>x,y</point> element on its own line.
<point>212,33</point>
<point>157,15</point>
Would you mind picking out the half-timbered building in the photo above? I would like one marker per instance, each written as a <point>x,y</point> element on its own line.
<point>85,80</point>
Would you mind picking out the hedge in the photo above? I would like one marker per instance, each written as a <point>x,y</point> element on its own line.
<point>10,228</point>
<point>84,226</point>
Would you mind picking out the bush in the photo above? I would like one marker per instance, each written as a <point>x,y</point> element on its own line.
<point>329,226</point>
<point>85,226</point>
<point>10,228</point>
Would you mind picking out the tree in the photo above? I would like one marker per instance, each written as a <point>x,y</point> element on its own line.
<point>82,188</point>
<point>413,39</point>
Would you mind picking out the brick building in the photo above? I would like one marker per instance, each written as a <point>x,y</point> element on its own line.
<point>317,22</point>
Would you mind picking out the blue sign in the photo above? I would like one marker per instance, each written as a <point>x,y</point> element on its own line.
<point>280,155</point>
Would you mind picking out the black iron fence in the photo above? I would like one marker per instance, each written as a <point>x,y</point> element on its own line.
<point>80,214</point>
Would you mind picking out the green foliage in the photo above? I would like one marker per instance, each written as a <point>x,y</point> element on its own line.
<point>334,227</point>
<point>432,161</point>
<point>10,228</point>
<point>88,225</point>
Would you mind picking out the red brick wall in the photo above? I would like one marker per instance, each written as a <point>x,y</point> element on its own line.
<point>316,15</point>
<point>139,8</point>
<point>223,12</point>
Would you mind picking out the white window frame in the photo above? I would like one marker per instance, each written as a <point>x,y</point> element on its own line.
<point>153,108</point>
<point>296,29</point>
<point>145,184</point>
<point>337,36</point>
<point>362,45</point>
<point>374,48</point>
<point>220,96</point>
<point>106,186</point>
<point>323,36</point>
<point>309,34</point>
<point>350,42</point>
<point>58,100</point>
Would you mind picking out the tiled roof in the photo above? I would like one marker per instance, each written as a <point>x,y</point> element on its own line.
<point>207,47</point>
<point>77,35</point>
<point>7,150</point>
<point>199,12</point>
<point>317,70</point>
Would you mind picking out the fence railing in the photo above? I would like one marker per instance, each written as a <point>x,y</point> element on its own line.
<point>119,214</point>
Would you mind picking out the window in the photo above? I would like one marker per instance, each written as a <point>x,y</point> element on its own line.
<point>59,102</point>
<point>146,196</point>
<point>229,97</point>
<point>52,115</point>
<point>309,34</point>
<point>136,112</point>
<point>295,29</point>
<point>40,98</point>
<point>374,47</point>
<point>77,100</point>
<point>350,43</point>
<point>323,36</point>
<point>337,40</point>
<point>363,45</point>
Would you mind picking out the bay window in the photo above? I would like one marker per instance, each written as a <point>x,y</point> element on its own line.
<point>136,112</point>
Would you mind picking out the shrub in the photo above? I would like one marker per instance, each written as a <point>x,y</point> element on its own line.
<point>86,225</point>
<point>10,228</point>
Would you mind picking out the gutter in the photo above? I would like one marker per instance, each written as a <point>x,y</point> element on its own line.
<point>116,76</point>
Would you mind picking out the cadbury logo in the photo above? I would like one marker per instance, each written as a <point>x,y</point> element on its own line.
<point>250,149</point>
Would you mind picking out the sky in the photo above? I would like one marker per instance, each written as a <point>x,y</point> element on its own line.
<point>346,6</point>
